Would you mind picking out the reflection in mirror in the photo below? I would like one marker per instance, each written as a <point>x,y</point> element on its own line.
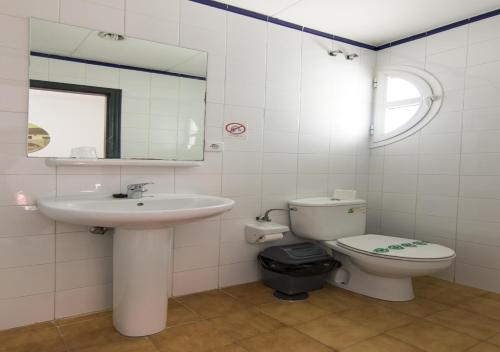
<point>96,94</point>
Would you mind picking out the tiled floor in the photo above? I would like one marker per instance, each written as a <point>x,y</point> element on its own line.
<point>247,318</point>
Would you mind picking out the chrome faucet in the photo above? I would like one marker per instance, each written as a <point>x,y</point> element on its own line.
<point>136,190</point>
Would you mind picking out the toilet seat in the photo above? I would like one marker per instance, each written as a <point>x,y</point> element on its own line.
<point>395,248</point>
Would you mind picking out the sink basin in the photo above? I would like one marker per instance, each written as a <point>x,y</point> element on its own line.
<point>142,246</point>
<point>155,211</point>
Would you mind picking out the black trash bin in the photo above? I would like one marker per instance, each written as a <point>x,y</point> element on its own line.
<point>293,270</point>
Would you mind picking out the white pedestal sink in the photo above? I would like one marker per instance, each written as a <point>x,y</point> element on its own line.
<point>141,247</point>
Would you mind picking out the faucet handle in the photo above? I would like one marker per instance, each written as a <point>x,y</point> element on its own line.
<point>134,186</point>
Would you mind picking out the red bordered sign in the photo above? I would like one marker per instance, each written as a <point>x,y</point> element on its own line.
<point>235,129</point>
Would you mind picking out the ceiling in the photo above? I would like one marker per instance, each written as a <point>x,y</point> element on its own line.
<point>82,43</point>
<point>374,22</point>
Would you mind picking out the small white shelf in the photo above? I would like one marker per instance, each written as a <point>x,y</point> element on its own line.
<point>119,162</point>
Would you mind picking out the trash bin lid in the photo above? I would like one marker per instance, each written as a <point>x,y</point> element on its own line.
<point>296,253</point>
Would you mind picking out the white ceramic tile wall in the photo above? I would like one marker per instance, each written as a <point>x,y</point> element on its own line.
<point>307,115</point>
<point>442,184</point>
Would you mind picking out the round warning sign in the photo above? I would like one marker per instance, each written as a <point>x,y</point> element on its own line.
<point>235,129</point>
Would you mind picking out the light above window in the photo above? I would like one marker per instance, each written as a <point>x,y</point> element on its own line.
<point>406,99</point>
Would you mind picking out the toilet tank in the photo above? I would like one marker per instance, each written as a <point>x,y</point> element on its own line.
<point>326,218</point>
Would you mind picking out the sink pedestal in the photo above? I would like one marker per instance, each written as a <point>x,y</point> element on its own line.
<point>141,259</point>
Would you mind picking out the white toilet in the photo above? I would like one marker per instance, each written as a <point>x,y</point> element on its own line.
<point>373,265</point>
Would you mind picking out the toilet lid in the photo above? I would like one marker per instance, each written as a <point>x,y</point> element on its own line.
<point>396,247</point>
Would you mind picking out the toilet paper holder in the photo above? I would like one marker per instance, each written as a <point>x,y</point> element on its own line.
<point>264,231</point>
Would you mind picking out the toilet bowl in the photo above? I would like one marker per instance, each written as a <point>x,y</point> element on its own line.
<point>373,265</point>
<point>386,275</point>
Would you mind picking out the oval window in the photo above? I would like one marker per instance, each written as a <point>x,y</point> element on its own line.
<point>406,99</point>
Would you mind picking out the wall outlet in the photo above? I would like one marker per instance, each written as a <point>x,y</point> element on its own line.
<point>214,146</point>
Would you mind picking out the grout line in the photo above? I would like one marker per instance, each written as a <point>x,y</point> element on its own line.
<point>461,149</point>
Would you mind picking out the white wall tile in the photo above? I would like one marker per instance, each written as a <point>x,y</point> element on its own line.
<point>279,163</point>
<point>26,281</point>
<point>399,202</point>
<point>480,187</point>
<point>438,185</point>
<point>446,164</point>
<point>436,226</point>
<point>484,30</point>
<point>82,245</point>
<point>26,250</point>
<point>480,232</point>
<point>437,205</point>
<point>83,273</point>
<point>192,281</point>
<point>451,39</point>
<point>476,276</point>
<point>240,185</point>
<point>83,300</point>
<point>92,14</point>
<point>197,233</point>
<point>479,209</point>
<point>24,220</point>
<point>394,223</point>
<point>238,273</point>
<point>26,310</point>
<point>196,257</point>
<point>14,30</point>
<point>478,254</point>
<point>242,163</point>
<point>397,183</point>
<point>75,184</point>
<point>279,184</point>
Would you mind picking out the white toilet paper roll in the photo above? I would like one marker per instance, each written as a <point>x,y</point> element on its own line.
<point>270,237</point>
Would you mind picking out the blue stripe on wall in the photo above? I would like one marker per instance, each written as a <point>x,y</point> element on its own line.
<point>107,64</point>
<point>265,18</point>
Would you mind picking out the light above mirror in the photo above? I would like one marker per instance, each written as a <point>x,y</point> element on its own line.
<point>98,94</point>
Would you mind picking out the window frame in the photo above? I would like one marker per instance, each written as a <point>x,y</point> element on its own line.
<point>113,110</point>
<point>431,99</point>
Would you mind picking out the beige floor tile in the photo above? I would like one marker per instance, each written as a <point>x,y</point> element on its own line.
<point>211,304</point>
<point>432,337</point>
<point>418,307</point>
<point>281,340</point>
<point>87,333</point>
<point>485,347</point>
<point>135,345</point>
<point>40,338</point>
<point>179,314</point>
<point>484,306</point>
<point>292,313</point>
<point>251,294</point>
<point>495,340</point>
<point>492,295</point>
<point>381,343</point>
<point>336,332</point>
<point>336,299</point>
<point>377,317</point>
<point>449,294</point>
<point>472,324</point>
<point>229,348</point>
<point>245,323</point>
<point>193,337</point>
<point>432,280</point>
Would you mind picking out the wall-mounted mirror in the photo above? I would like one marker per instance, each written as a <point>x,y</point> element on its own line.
<point>102,95</point>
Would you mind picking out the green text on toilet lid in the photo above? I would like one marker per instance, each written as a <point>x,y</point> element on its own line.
<point>398,247</point>
<point>381,250</point>
<point>408,245</point>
